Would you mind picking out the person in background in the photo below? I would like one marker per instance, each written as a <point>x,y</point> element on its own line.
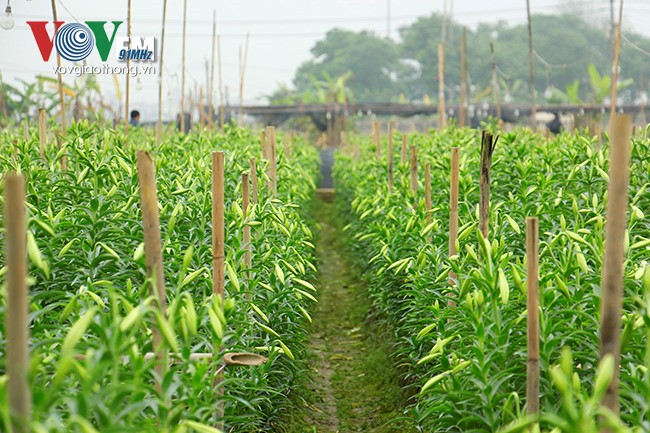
<point>135,118</point>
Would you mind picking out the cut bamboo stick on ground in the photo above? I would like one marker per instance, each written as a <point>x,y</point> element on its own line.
<point>17,321</point>
<point>612,277</point>
<point>532,369</point>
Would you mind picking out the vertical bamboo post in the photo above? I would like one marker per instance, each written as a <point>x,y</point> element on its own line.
<point>152,248</point>
<point>26,130</point>
<point>487,148</point>
<point>463,80</point>
<point>214,47</point>
<point>183,66</point>
<point>427,191</point>
<point>496,91</point>
<point>273,161</point>
<point>222,112</point>
<point>612,277</point>
<point>245,191</point>
<point>453,211</point>
<point>533,108</point>
<point>160,73</point>
<point>218,249</point>
<point>263,142</point>
<point>254,180</point>
<point>442,118</point>
<point>42,130</point>
<point>17,321</point>
<point>391,126</point>
<point>532,370</point>
<point>59,76</point>
<point>617,50</point>
<point>414,172</point>
<point>376,136</point>
<point>403,156</point>
<point>127,89</point>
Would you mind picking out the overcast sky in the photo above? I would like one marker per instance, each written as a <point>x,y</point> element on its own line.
<point>282,32</point>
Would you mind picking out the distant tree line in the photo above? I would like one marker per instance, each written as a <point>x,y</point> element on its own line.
<point>366,67</point>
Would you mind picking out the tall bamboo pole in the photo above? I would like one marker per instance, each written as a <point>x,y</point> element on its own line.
<point>128,75</point>
<point>160,73</point>
<point>218,250</point>
<point>488,144</point>
<point>532,260</point>
<point>453,211</point>
<point>414,172</point>
<point>533,108</point>
<point>17,321</point>
<point>612,277</point>
<point>617,50</point>
<point>59,77</point>
<point>183,66</point>
<point>442,118</point>
<point>214,47</point>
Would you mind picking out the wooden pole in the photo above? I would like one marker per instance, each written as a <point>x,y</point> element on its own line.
<point>376,136</point>
<point>242,75</point>
<point>487,148</point>
<point>532,371</point>
<point>214,47</point>
<point>427,191</point>
<point>17,321</point>
<point>273,162</point>
<point>391,126</point>
<point>442,118</point>
<point>248,264</point>
<point>183,66</point>
<point>152,247</point>
<point>59,76</point>
<point>612,277</point>
<point>533,108</point>
<point>218,251</point>
<point>254,180</point>
<point>128,76</point>
<point>414,172</point>
<point>160,73</point>
<point>26,130</point>
<point>222,113</point>
<point>403,156</point>
<point>42,131</point>
<point>463,80</point>
<point>617,50</point>
<point>453,211</point>
<point>496,91</point>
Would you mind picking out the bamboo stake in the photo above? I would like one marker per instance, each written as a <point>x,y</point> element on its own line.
<point>391,126</point>
<point>463,80</point>
<point>414,172</point>
<point>128,76</point>
<point>427,191</point>
<point>183,67</point>
<point>248,265</point>
<point>273,162</point>
<point>453,212</point>
<point>152,248</point>
<point>487,148</point>
<point>218,252</point>
<point>242,76</point>
<point>160,73</point>
<point>533,108</point>
<point>403,156</point>
<point>17,321</point>
<point>376,136</point>
<point>222,113</point>
<point>532,371</point>
<point>263,144</point>
<point>442,118</point>
<point>254,180</point>
<point>59,76</point>
<point>496,91</point>
<point>612,277</point>
<point>214,46</point>
<point>42,130</point>
<point>617,50</point>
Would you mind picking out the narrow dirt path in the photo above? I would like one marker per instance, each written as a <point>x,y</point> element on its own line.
<point>354,388</point>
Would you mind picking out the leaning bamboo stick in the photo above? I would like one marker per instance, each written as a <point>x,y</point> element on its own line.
<point>532,260</point>
<point>17,321</point>
<point>42,131</point>
<point>248,264</point>
<point>152,246</point>
<point>612,277</point>
<point>255,188</point>
<point>487,148</point>
<point>218,251</point>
